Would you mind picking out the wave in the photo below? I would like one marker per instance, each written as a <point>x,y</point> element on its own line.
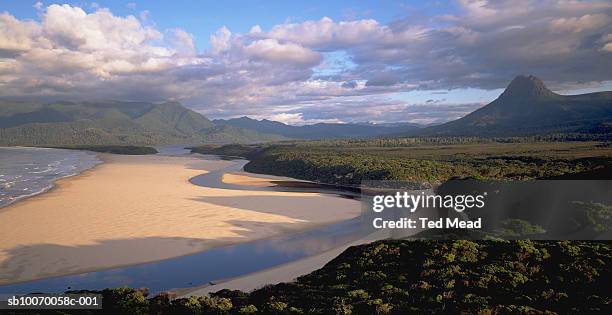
<point>26,172</point>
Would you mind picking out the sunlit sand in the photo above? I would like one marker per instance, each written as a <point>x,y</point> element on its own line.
<point>241,179</point>
<point>136,209</point>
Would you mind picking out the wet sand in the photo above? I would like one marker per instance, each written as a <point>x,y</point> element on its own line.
<point>283,273</point>
<point>137,209</point>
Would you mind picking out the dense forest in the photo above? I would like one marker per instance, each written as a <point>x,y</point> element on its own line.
<point>434,160</point>
<point>416,276</point>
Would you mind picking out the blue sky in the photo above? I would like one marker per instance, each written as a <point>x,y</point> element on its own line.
<point>203,18</point>
<point>307,61</point>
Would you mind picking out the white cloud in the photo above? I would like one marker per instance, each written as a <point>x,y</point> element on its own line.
<point>286,118</point>
<point>73,49</point>
<point>255,30</point>
<point>578,24</point>
<point>478,8</point>
<point>271,50</point>
<point>328,34</point>
<point>16,36</point>
<point>144,15</point>
<point>278,73</point>
<point>220,41</point>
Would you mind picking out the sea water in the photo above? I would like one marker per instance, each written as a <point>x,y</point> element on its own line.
<point>25,172</point>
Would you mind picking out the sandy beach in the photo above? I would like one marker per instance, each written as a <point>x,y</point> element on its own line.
<point>137,209</point>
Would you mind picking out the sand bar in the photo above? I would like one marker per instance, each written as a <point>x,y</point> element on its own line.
<point>245,180</point>
<point>136,209</point>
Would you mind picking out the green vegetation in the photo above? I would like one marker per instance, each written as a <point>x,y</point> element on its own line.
<point>113,123</point>
<point>435,160</point>
<point>114,149</point>
<point>518,229</point>
<point>593,216</point>
<point>417,276</point>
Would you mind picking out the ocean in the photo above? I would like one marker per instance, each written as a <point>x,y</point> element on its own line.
<point>26,172</point>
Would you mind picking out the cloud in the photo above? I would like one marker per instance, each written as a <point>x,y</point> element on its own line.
<point>16,36</point>
<point>271,50</point>
<point>586,22</point>
<point>72,50</point>
<point>220,41</point>
<point>144,15</point>
<point>316,70</point>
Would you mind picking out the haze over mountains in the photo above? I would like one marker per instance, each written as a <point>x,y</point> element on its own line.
<point>320,130</point>
<point>526,107</point>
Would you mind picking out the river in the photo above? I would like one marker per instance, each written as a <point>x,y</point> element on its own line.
<point>215,264</point>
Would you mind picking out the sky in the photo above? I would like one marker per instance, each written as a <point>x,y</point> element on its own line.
<point>303,62</point>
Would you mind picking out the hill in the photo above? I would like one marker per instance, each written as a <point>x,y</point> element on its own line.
<point>113,122</point>
<point>528,107</point>
<point>320,130</point>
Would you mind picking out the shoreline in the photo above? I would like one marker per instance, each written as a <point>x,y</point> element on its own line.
<point>286,272</point>
<point>53,182</point>
<point>257,223</point>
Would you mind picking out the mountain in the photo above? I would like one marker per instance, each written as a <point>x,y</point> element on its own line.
<point>112,122</point>
<point>528,107</point>
<point>319,131</point>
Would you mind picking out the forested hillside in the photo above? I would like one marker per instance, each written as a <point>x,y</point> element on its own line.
<point>113,122</point>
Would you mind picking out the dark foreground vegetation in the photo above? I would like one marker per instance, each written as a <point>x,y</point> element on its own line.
<point>417,276</point>
<point>114,149</point>
<point>434,160</point>
<point>438,275</point>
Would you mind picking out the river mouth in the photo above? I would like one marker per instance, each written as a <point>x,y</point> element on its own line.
<point>213,265</point>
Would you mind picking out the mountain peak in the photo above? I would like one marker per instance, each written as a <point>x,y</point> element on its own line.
<point>527,86</point>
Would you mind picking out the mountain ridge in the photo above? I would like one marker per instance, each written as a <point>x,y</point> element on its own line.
<point>113,123</point>
<point>528,107</point>
<point>319,130</point>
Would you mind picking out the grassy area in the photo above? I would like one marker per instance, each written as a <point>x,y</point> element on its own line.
<point>348,162</point>
<point>114,149</point>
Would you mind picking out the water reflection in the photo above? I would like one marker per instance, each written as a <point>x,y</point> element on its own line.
<point>202,268</point>
<point>214,264</point>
